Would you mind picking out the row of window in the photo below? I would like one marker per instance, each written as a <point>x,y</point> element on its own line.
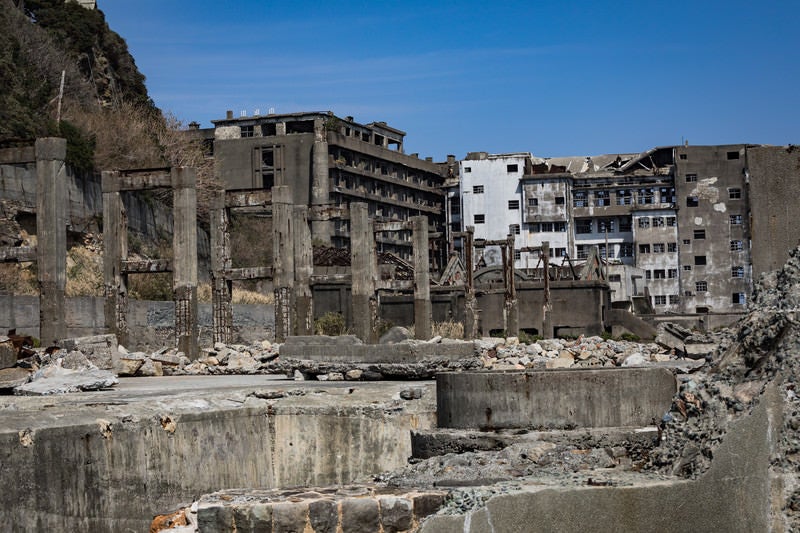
<point>657,222</point>
<point>661,299</point>
<point>603,225</point>
<point>509,168</point>
<point>734,193</point>
<point>642,196</point>
<point>658,248</point>
<point>661,273</point>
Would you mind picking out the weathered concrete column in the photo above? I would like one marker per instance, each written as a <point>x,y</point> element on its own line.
<point>547,307</point>
<point>470,302</point>
<point>510,309</point>
<point>222,311</point>
<point>422,278</point>
<point>283,258</point>
<point>303,268</point>
<point>320,181</point>
<point>184,249</point>
<point>362,266</point>
<point>115,243</point>
<point>51,233</point>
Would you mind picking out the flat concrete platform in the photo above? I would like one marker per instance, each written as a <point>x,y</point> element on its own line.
<point>111,460</point>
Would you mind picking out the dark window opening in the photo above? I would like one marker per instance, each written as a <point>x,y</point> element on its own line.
<point>699,234</point>
<point>512,168</point>
<point>268,129</point>
<point>559,200</point>
<point>692,201</point>
<point>300,126</point>
<point>513,204</point>
<point>699,260</point>
<point>733,155</point>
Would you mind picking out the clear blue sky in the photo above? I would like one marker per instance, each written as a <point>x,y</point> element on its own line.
<point>554,78</point>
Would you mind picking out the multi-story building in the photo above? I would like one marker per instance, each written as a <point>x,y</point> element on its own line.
<point>679,215</point>
<point>328,161</point>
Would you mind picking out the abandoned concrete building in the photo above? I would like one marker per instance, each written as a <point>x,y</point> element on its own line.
<point>681,216</point>
<point>329,162</point>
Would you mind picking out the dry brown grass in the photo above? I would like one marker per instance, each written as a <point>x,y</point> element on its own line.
<point>239,296</point>
<point>84,273</point>
<point>19,279</point>
<point>447,330</point>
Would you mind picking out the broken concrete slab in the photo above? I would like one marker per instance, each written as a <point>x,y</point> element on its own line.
<point>8,353</point>
<point>13,377</point>
<point>407,352</point>
<point>101,350</point>
<point>54,379</point>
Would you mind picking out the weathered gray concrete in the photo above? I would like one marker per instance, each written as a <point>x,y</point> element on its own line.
<point>422,279</point>
<point>553,398</point>
<point>733,496</point>
<point>363,261</point>
<point>51,232</point>
<point>283,254</point>
<point>317,348</point>
<point>111,460</point>
<point>184,252</point>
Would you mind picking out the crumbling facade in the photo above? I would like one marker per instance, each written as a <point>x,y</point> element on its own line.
<point>329,162</point>
<point>686,216</point>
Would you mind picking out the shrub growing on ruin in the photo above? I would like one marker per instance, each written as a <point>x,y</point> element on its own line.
<point>330,324</point>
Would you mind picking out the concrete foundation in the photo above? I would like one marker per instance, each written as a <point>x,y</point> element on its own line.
<point>554,398</point>
<point>111,461</point>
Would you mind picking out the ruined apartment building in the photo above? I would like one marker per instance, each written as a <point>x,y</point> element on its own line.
<point>329,161</point>
<point>675,221</point>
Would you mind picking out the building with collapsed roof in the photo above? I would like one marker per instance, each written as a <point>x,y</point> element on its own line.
<point>698,221</point>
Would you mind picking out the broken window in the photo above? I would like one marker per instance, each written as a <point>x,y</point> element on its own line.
<point>737,272</point>
<point>701,286</point>
<point>736,220</point>
<point>559,252</point>
<point>455,208</point>
<point>513,229</point>
<point>733,155</point>
<point>660,299</point>
<point>674,299</point>
<point>624,197</point>
<point>615,278</point>
<point>269,129</point>
<point>517,254</point>
<point>583,225</point>
<point>692,201</point>
<point>579,199</point>
<point>699,234</point>
<point>533,202</point>
<point>267,166</point>
<point>646,196</point>
<point>602,198</point>
<point>658,222</point>
<point>660,274</point>
<point>658,248</point>
<point>734,193</point>
<point>625,225</point>
<point>606,253</point>
<point>559,226</point>
<point>699,260</point>
<point>583,251</point>
<point>302,126</point>
<point>477,189</point>
<point>667,195</point>
<point>513,204</point>
<point>559,200</point>
<point>644,248</point>
<point>687,267</point>
<point>691,178</point>
<point>737,246</point>
<point>512,168</point>
<point>626,249</point>
<point>672,273</point>
<point>681,156</point>
<point>672,247</point>
<point>671,222</point>
<point>687,241</point>
<point>605,225</point>
<point>644,222</point>
<point>648,274</point>
<point>247,131</point>
<point>738,298</point>
<point>467,170</point>
<point>480,219</point>
<point>536,227</point>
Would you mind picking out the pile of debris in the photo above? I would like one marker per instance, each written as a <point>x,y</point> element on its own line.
<point>763,351</point>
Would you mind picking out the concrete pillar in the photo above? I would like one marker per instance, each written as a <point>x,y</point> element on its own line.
<point>222,311</point>
<point>184,250</point>
<point>470,303</point>
<point>547,308</point>
<point>283,261</point>
<point>362,266</point>
<point>303,268</point>
<point>321,230</point>
<point>510,309</point>
<point>51,234</point>
<point>422,278</point>
<point>115,243</point>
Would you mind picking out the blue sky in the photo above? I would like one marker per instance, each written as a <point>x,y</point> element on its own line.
<point>551,78</point>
